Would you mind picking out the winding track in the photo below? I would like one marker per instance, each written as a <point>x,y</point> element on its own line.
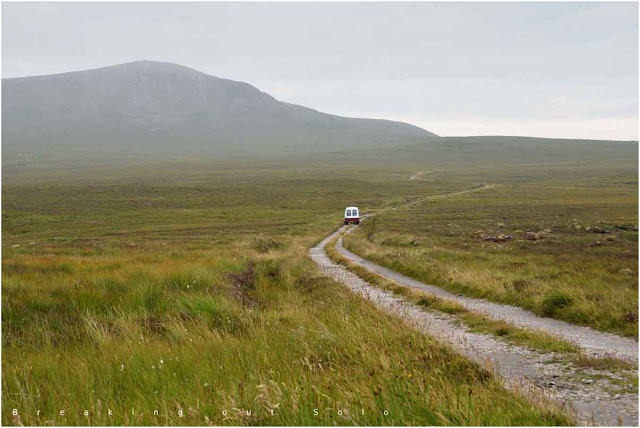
<point>521,369</point>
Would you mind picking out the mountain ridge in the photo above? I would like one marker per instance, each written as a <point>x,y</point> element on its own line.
<point>132,103</point>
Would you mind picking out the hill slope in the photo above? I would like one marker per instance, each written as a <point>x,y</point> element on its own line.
<point>154,107</point>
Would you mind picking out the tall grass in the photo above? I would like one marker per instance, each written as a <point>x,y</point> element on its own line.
<point>569,272</point>
<point>228,331</point>
<point>184,288</point>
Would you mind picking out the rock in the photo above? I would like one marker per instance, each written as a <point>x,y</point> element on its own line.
<point>599,230</point>
<point>588,382</point>
<point>15,245</point>
<point>532,236</point>
<point>626,227</point>
<point>628,272</point>
<point>499,238</point>
<point>610,238</point>
<point>478,234</point>
<point>595,244</point>
<point>500,224</point>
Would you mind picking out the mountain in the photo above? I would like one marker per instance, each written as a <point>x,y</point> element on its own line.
<point>153,107</point>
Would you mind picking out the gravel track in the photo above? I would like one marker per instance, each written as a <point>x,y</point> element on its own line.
<point>592,342</point>
<point>541,376</point>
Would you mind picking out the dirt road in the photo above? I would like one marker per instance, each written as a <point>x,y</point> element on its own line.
<point>595,396</point>
<point>593,342</point>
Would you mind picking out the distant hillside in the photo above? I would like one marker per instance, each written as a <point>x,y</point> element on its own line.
<point>154,107</point>
<point>125,116</point>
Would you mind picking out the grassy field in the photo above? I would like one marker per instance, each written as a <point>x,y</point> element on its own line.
<point>563,249</point>
<point>208,330</point>
<point>193,296</point>
<point>185,287</point>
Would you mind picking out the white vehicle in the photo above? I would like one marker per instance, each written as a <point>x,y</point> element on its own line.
<point>351,215</point>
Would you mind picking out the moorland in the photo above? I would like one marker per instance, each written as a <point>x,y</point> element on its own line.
<point>183,285</point>
<point>156,223</point>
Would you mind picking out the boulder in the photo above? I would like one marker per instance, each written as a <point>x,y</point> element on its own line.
<point>499,238</point>
<point>532,236</point>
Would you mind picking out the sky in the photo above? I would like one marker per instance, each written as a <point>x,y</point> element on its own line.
<point>566,70</point>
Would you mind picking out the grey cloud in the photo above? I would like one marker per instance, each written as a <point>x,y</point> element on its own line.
<point>420,61</point>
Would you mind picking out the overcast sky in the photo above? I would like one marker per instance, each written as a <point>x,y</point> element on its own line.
<point>538,69</point>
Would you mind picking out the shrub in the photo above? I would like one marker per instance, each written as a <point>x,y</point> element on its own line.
<point>502,331</point>
<point>554,301</point>
<point>425,301</point>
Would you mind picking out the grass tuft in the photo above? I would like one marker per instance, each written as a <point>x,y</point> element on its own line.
<point>554,301</point>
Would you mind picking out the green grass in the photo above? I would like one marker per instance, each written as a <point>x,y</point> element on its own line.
<point>197,296</point>
<point>187,286</point>
<point>210,329</point>
<point>571,272</point>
